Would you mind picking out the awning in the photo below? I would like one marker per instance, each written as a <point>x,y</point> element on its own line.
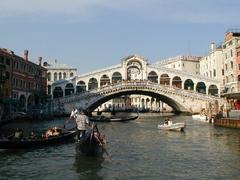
<point>231,95</point>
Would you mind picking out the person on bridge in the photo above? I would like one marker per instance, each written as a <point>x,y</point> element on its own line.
<point>81,121</point>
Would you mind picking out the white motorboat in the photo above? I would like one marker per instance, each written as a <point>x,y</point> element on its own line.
<point>172,126</point>
<point>202,118</point>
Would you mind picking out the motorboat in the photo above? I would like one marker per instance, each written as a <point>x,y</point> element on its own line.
<point>200,117</point>
<point>172,126</point>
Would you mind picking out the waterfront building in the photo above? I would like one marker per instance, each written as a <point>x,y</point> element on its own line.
<point>211,65</point>
<point>24,85</point>
<point>189,64</point>
<point>56,72</point>
<point>231,63</point>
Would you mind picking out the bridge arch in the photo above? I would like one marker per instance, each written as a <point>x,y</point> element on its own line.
<point>69,89</point>
<point>213,90</point>
<point>57,92</point>
<point>176,106</point>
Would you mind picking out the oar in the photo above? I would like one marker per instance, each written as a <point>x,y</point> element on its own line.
<point>107,153</point>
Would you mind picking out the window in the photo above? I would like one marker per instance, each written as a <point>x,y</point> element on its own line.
<point>231,53</point>
<point>60,75</point>
<point>214,72</point>
<point>8,61</point>
<point>226,67</point>
<point>7,75</point>
<point>55,76</point>
<point>238,66</point>
<point>64,75</point>
<point>49,76</point>
<point>71,74</point>
<point>231,64</point>
<point>2,59</point>
<point>223,72</point>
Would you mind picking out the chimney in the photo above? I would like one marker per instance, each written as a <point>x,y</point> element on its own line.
<point>25,55</point>
<point>40,61</point>
<point>213,46</point>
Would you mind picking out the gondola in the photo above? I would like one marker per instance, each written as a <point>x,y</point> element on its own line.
<point>6,143</point>
<point>89,146</point>
<point>112,119</point>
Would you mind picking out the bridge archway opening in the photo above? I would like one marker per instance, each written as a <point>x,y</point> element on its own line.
<point>177,107</point>
<point>177,82</point>
<point>116,77</point>
<point>92,84</point>
<point>57,92</point>
<point>69,89</point>
<point>81,87</point>
<point>201,87</point>
<point>188,84</point>
<point>213,90</point>
<point>153,77</point>
<point>165,79</point>
<point>104,80</point>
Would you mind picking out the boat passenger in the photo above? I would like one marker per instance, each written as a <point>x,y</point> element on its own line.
<point>74,113</point>
<point>56,131</point>
<point>18,134</point>
<point>33,135</point>
<point>97,135</point>
<point>49,133</point>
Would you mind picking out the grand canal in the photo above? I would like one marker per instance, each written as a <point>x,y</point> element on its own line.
<point>139,151</point>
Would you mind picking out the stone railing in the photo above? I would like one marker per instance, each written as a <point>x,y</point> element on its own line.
<point>136,85</point>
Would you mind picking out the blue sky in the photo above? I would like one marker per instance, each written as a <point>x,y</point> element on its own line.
<point>93,34</point>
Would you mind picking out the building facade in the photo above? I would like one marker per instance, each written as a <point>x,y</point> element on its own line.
<point>189,64</point>
<point>56,71</point>
<point>211,65</point>
<point>24,85</point>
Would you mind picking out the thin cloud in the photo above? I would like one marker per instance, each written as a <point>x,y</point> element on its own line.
<point>178,11</point>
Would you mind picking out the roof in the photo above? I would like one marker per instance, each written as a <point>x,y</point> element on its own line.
<point>54,65</point>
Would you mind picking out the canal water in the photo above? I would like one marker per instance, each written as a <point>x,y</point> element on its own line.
<point>139,151</point>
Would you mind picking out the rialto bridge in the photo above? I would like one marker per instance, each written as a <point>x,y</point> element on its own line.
<point>182,91</point>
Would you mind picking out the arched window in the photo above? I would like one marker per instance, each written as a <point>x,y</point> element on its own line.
<point>57,92</point>
<point>153,77</point>
<point>64,75</point>
<point>92,84</point>
<point>104,80</point>
<point>71,74</point>
<point>164,79</point>
<point>116,77</point>
<point>55,76</point>
<point>81,86</point>
<point>188,84</point>
<point>49,76</point>
<point>201,87</point>
<point>69,89</point>
<point>60,75</point>
<point>213,90</point>
<point>177,82</point>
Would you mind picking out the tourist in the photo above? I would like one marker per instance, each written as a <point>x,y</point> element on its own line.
<point>81,121</point>
<point>56,131</point>
<point>18,134</point>
<point>49,133</point>
<point>33,135</point>
<point>100,138</point>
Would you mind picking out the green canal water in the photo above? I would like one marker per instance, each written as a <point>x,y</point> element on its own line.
<point>139,151</point>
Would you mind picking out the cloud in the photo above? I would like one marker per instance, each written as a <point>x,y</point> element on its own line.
<point>178,11</point>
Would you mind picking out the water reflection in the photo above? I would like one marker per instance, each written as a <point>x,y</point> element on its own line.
<point>87,167</point>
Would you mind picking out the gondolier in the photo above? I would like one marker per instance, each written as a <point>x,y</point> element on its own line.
<point>81,121</point>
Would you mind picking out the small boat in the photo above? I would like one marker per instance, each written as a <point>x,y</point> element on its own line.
<point>112,119</point>
<point>172,126</point>
<point>6,143</point>
<point>202,118</point>
<point>89,146</point>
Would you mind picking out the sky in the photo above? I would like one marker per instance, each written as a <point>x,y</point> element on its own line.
<point>94,34</point>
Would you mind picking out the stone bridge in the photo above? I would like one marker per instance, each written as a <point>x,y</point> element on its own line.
<point>180,100</point>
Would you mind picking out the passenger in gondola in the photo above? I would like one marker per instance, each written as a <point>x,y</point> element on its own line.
<point>56,131</point>
<point>18,134</point>
<point>97,135</point>
<point>33,135</point>
<point>74,113</point>
<point>81,121</point>
<point>48,133</point>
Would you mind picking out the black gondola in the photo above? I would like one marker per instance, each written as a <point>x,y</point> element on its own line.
<point>6,143</point>
<point>89,146</point>
<point>112,119</point>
